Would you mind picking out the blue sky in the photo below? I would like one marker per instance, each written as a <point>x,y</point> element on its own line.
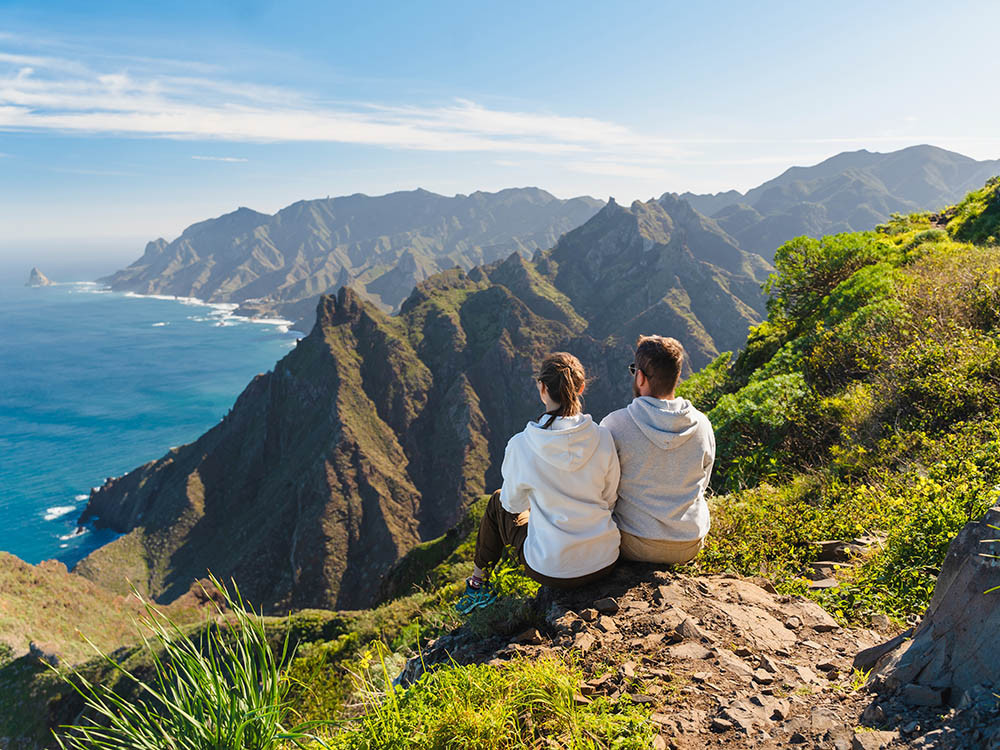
<point>121,122</point>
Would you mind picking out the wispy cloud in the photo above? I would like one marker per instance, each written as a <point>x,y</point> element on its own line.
<point>219,158</point>
<point>48,93</point>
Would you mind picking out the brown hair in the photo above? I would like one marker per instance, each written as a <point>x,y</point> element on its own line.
<point>660,358</point>
<point>564,378</point>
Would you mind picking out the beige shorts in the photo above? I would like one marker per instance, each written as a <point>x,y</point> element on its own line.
<point>659,551</point>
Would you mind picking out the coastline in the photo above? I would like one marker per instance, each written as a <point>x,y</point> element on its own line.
<point>75,419</point>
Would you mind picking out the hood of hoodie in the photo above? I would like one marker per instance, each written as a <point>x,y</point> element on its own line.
<point>568,444</point>
<point>667,424</point>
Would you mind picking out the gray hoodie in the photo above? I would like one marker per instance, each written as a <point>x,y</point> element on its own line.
<point>666,449</point>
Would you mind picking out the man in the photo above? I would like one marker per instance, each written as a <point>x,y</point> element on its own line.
<point>666,449</point>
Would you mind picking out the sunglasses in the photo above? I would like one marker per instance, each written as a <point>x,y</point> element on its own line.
<point>632,368</point>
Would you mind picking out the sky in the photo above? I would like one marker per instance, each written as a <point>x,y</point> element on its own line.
<point>121,122</point>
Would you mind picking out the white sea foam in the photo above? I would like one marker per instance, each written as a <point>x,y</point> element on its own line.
<point>161,323</point>
<point>78,531</point>
<point>58,511</point>
<point>219,313</point>
<point>81,497</point>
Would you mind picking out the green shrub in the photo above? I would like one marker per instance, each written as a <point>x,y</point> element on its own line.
<point>977,217</point>
<point>705,387</point>
<point>807,269</point>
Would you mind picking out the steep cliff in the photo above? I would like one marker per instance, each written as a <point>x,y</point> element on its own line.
<point>377,430</point>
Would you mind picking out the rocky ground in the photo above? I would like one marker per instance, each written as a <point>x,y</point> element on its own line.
<point>725,662</point>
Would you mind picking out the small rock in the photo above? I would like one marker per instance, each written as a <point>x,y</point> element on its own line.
<point>688,629</point>
<point>766,662</point>
<point>581,700</point>
<point>867,658</point>
<point>797,738</point>
<point>628,669</point>
<point>607,606</point>
<point>921,695</point>
<point>689,651</point>
<point>825,627</point>
<point>873,714</point>
<point>662,593</point>
<point>873,740</point>
<point>659,743</point>
<point>806,675</point>
<point>661,719</point>
<point>606,625</point>
<point>823,720</point>
<point>584,641</point>
<point>651,642</point>
<point>881,621</point>
<point>826,666</point>
<point>743,651</point>
<point>701,676</point>
<point>763,676</point>
<point>734,664</point>
<point>589,614</point>
<point>531,636</point>
<point>641,698</point>
<point>793,623</point>
<point>638,605</point>
<point>721,725</point>
<point>823,583</point>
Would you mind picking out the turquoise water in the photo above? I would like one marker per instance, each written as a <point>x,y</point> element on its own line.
<point>94,383</point>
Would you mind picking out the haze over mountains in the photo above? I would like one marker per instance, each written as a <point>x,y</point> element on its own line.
<point>376,431</point>
<point>852,191</point>
<point>381,246</point>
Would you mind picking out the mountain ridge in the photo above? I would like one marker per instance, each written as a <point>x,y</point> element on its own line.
<point>375,432</point>
<point>850,191</point>
<point>382,245</point>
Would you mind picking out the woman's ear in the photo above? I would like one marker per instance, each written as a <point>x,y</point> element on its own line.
<point>582,387</point>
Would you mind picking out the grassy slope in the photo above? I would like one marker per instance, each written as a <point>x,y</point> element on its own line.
<point>867,403</point>
<point>51,607</point>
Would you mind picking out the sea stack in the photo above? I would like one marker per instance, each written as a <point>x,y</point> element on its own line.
<point>37,278</point>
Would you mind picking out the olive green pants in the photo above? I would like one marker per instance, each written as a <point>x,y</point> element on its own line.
<point>500,528</point>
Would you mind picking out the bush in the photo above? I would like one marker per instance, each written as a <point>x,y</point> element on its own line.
<point>977,217</point>
<point>808,269</point>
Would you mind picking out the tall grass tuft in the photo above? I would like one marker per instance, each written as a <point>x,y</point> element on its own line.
<point>219,689</point>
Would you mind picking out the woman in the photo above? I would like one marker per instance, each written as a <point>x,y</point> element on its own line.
<point>560,483</point>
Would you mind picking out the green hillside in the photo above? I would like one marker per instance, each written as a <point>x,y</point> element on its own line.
<point>865,408</point>
<point>867,405</point>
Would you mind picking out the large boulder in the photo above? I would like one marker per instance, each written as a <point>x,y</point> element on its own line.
<point>953,654</point>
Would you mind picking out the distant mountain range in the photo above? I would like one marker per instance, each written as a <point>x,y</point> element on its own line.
<point>375,432</point>
<point>381,246</point>
<point>852,191</point>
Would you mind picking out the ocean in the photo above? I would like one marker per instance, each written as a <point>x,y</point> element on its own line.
<point>94,383</point>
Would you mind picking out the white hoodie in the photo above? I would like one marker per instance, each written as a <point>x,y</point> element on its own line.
<point>567,475</point>
<point>666,449</point>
